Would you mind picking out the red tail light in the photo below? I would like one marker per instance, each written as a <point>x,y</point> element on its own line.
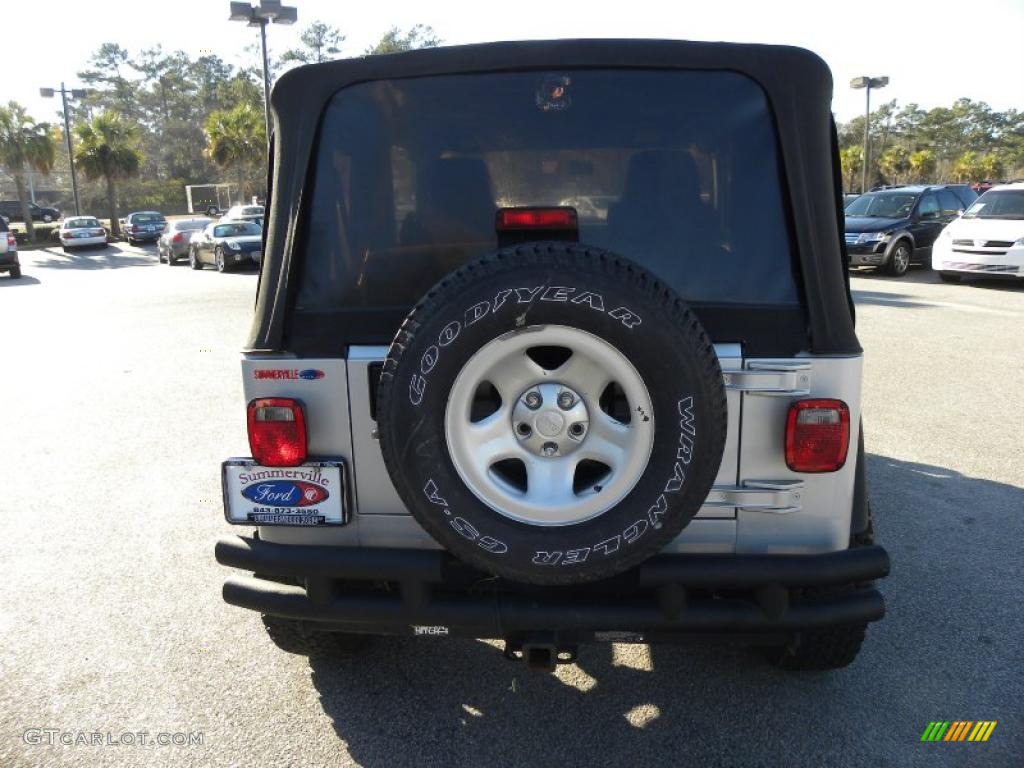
<point>12,241</point>
<point>536,218</point>
<point>277,431</point>
<point>817,435</point>
<point>178,237</point>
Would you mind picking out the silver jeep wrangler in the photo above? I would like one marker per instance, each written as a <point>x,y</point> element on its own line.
<point>554,344</point>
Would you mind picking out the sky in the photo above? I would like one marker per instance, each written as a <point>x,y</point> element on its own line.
<point>933,51</point>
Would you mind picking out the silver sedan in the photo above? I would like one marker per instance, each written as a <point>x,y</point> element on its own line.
<point>173,243</point>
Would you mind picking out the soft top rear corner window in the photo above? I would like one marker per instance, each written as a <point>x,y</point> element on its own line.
<point>677,170</point>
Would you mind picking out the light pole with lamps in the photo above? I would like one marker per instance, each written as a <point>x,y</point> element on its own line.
<point>77,93</point>
<point>867,83</point>
<point>259,16</point>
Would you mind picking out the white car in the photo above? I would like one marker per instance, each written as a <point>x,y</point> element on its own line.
<point>987,240</point>
<point>243,213</point>
<point>80,231</point>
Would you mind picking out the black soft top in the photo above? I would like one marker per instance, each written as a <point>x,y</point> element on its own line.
<point>798,85</point>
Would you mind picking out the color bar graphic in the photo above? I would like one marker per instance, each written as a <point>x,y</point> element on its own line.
<point>958,730</point>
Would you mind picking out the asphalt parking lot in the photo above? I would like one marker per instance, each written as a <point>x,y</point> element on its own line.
<point>121,395</point>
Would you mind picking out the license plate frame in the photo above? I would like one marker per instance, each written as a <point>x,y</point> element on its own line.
<point>273,489</point>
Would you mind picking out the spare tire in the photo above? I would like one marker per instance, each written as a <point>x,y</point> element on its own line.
<point>552,413</point>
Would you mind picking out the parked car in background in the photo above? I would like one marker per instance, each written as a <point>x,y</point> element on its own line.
<point>11,209</point>
<point>896,226</point>
<point>144,226</point>
<point>8,251</point>
<point>174,242</point>
<point>981,187</point>
<point>849,197</point>
<point>244,213</point>
<point>226,244</point>
<point>987,240</point>
<point>81,231</point>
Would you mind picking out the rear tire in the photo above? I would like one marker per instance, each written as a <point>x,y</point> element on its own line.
<point>294,636</point>
<point>899,259</point>
<point>15,273</point>
<point>160,255</point>
<point>218,257</point>
<point>193,259</point>
<point>820,650</point>
<point>949,277</point>
<point>833,647</point>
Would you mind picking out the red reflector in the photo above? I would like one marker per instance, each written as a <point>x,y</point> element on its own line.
<point>277,432</point>
<point>178,237</point>
<point>536,218</point>
<point>817,435</point>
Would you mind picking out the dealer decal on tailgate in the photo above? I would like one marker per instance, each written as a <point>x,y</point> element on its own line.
<point>312,494</point>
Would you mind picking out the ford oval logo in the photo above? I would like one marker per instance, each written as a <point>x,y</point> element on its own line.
<point>286,493</point>
<point>311,374</point>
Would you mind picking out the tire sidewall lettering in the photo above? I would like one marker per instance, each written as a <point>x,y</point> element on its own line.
<point>503,297</point>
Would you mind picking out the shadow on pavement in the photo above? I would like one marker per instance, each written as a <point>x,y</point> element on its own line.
<point>954,542</point>
<point>925,275</point>
<point>916,274</point>
<point>114,256</point>
<point>883,299</point>
<point>6,281</point>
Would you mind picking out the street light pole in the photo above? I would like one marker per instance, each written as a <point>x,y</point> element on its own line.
<point>260,15</point>
<point>867,83</point>
<point>75,93</point>
<point>266,76</point>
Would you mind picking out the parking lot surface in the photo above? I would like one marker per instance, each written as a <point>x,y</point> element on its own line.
<point>121,394</point>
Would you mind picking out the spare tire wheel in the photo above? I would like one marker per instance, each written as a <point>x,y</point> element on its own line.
<point>552,413</point>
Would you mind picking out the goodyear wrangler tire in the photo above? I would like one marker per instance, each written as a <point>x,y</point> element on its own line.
<point>552,413</point>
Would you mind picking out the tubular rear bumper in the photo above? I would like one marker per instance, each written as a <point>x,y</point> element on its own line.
<point>667,594</point>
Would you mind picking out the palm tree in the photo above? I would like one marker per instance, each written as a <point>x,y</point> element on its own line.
<point>922,164</point>
<point>108,149</point>
<point>237,140</point>
<point>966,166</point>
<point>24,144</point>
<point>894,162</point>
<point>851,158</point>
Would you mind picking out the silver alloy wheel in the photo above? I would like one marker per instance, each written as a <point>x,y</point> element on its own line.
<point>537,426</point>
<point>901,259</point>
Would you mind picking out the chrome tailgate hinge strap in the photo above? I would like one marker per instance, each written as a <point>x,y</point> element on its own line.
<point>778,497</point>
<point>774,379</point>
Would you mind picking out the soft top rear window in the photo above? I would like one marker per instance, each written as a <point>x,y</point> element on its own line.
<point>676,170</point>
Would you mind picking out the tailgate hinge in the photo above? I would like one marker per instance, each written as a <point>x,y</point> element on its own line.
<point>774,379</point>
<point>778,497</point>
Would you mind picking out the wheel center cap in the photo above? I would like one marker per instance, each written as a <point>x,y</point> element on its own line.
<point>550,423</point>
<point>550,420</point>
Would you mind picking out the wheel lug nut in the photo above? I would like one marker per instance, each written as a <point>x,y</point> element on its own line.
<point>533,400</point>
<point>566,401</point>
<point>549,449</point>
<point>524,429</point>
<point>576,430</point>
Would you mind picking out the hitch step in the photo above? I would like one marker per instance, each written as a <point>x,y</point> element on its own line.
<point>540,656</point>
